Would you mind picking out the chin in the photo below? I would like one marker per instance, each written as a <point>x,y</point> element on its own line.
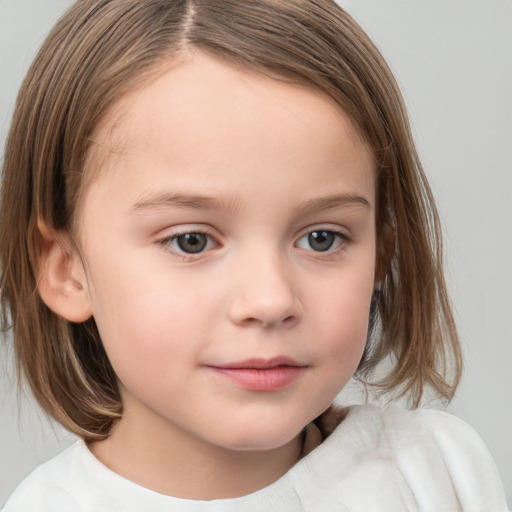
<point>261,439</point>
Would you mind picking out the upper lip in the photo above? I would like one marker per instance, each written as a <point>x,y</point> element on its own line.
<point>261,363</point>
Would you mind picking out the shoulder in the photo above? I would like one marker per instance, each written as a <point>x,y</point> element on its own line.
<point>50,485</point>
<point>424,430</point>
<point>436,453</point>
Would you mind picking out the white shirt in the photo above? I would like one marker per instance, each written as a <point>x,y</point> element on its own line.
<point>376,460</point>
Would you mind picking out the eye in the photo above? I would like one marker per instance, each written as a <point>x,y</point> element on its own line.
<point>190,243</point>
<point>321,240</point>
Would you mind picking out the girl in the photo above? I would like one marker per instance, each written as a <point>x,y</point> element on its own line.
<point>213,216</point>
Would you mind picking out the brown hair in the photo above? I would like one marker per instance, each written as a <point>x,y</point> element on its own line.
<point>97,52</point>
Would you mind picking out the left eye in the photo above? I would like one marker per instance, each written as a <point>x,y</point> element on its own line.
<point>191,243</point>
<point>321,241</point>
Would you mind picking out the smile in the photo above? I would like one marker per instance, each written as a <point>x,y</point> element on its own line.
<point>261,374</point>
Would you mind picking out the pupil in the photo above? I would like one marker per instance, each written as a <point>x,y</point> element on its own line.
<point>321,240</point>
<point>192,242</point>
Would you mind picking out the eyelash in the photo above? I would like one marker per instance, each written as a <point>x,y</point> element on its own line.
<point>168,241</point>
<point>339,238</point>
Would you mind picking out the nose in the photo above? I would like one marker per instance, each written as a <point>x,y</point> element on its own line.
<point>264,293</point>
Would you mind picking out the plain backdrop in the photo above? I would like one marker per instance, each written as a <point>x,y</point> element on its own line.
<point>453,60</point>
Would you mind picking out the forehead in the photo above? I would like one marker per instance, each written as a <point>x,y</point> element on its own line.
<point>202,115</point>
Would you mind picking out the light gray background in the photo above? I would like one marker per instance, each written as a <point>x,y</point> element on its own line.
<point>453,60</point>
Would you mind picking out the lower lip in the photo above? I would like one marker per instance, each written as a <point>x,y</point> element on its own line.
<point>261,379</point>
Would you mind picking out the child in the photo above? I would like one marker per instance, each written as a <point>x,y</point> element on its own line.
<point>213,216</point>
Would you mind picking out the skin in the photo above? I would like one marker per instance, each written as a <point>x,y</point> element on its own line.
<point>266,155</point>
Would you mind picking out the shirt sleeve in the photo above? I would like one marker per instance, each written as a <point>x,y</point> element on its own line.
<point>471,468</point>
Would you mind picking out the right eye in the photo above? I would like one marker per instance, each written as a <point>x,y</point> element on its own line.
<point>322,240</point>
<point>194,242</point>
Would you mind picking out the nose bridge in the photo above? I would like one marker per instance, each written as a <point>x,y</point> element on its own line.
<point>264,290</point>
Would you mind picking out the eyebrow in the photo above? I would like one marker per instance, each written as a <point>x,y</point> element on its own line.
<point>169,200</point>
<point>333,201</point>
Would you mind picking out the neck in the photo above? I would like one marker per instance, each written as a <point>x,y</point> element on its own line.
<point>165,459</point>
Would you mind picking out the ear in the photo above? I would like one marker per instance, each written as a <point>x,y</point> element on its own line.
<point>61,279</point>
<point>385,252</point>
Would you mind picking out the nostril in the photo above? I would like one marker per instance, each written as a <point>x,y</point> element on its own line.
<point>289,319</point>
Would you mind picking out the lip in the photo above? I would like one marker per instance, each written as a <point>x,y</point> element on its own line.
<point>257,374</point>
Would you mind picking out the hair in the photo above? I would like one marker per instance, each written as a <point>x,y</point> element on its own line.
<point>99,51</point>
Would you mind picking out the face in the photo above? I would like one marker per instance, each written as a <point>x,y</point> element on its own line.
<point>229,248</point>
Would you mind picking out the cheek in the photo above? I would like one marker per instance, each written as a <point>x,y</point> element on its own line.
<point>147,338</point>
<point>341,326</point>
<point>342,313</point>
<point>140,318</point>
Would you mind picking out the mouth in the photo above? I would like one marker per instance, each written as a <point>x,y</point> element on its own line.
<point>266,375</point>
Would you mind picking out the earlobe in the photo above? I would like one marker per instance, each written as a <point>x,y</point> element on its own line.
<point>61,279</point>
